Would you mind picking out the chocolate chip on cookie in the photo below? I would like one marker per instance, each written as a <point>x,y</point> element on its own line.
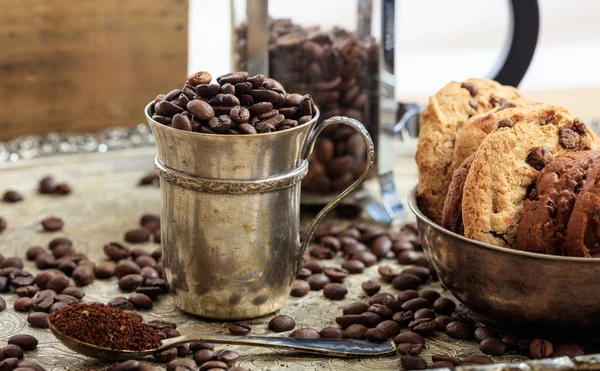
<point>539,157</point>
<point>550,120</point>
<point>579,126</point>
<point>473,104</point>
<point>568,138</point>
<point>473,90</point>
<point>505,106</point>
<point>505,123</point>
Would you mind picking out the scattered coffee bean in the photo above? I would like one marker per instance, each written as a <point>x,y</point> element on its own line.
<point>204,355</point>
<point>413,363</point>
<point>52,224</point>
<point>22,304</point>
<point>334,291</point>
<point>138,235</point>
<point>442,358</point>
<point>404,349</point>
<point>423,326</point>
<point>567,349</point>
<point>331,333</point>
<point>12,351</point>
<point>166,355</point>
<point>228,356</point>
<point>47,185</point>
<point>317,281</point>
<point>482,333</point>
<point>424,313</point>
<point>403,318</point>
<point>348,320</point>
<point>371,319</point>
<point>116,251</point>
<point>353,266</point>
<point>43,300</point>
<point>356,308</point>
<point>131,365</point>
<point>28,291</point>
<point>459,330</point>
<point>2,304</point>
<point>540,348</point>
<point>390,327</point>
<point>406,281</point>
<point>376,334</point>
<point>370,287</point>
<point>56,306</point>
<point>240,328</point>
<point>23,341</point>
<point>10,363</point>
<point>84,274</point>
<point>121,303</point>
<point>2,224</point>
<point>140,301</point>
<point>12,197</point>
<point>194,347</point>
<point>282,323</point>
<point>300,288</point>
<point>444,306</point>
<point>58,283</point>
<point>492,346</point>
<point>125,267</point>
<point>354,332</point>
<point>477,359</point>
<point>182,364</point>
<point>407,295</point>
<point>336,274</point>
<point>315,266</point>
<point>213,365</point>
<point>415,304</point>
<point>409,337</point>
<point>303,274</point>
<point>75,292</point>
<point>305,333</point>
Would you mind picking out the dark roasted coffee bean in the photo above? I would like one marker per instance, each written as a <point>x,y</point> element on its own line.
<point>567,349</point>
<point>23,341</point>
<point>125,267</point>
<point>317,281</point>
<point>52,224</point>
<point>334,291</point>
<point>181,122</point>
<point>413,363</point>
<point>336,274</point>
<point>140,301</point>
<point>47,185</point>
<point>482,333</point>
<point>388,273</point>
<point>367,257</point>
<point>4,285</point>
<point>12,351</point>
<point>375,334</point>
<point>371,319</point>
<point>201,77</point>
<point>130,282</point>
<point>354,332</point>
<point>305,333</point>
<point>510,341</point>
<point>321,252</point>
<point>22,304</point>
<point>281,323</point>
<point>430,295</point>
<point>149,273</point>
<point>38,319</point>
<point>492,346</point>
<point>2,224</point>
<point>224,100</point>
<point>408,257</point>
<point>246,129</point>
<point>134,315</point>
<point>33,252</point>
<point>201,109</point>
<point>145,261</point>
<point>204,355</point>
<point>423,326</point>
<point>62,251</point>
<point>207,90</point>
<point>403,318</point>
<point>260,108</point>
<point>331,333</point>
<point>228,356</point>
<point>121,303</point>
<point>409,337</point>
<point>232,78</point>
<point>240,328</point>
<point>350,319</point>
<point>379,298</point>
<point>392,303</point>
<point>415,304</point>
<point>105,269</point>
<point>406,282</point>
<point>461,317</point>
<point>58,283</point>
<point>182,364</point>
<point>116,251</point>
<point>28,291</point>
<point>442,358</point>
<point>353,266</point>
<point>390,327</point>
<point>477,359</point>
<point>382,310</point>
<point>12,262</point>
<point>459,330</point>
<point>444,306</point>
<point>356,308</point>
<point>220,124</point>
<point>166,355</point>
<point>300,288</point>
<point>43,300</point>
<point>84,274</point>
<point>407,295</point>
<point>20,279</point>
<point>227,89</point>
<point>12,197</point>
<point>409,349</point>
<point>540,348</point>
<point>213,366</point>
<point>370,287</point>
<point>194,347</point>
<point>56,306</point>
<point>45,261</point>
<point>240,114</point>
<point>424,313</point>
<point>138,235</point>
<point>380,246</point>
<point>168,109</point>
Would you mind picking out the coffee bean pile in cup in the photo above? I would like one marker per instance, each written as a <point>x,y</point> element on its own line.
<point>339,70</point>
<point>235,104</point>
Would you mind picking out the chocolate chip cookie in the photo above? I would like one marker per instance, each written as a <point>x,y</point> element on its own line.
<point>547,209</point>
<point>477,128</point>
<point>583,231</point>
<point>442,118</point>
<point>509,161</point>
<point>452,214</point>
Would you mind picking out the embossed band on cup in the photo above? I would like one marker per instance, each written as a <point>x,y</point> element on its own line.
<point>231,186</point>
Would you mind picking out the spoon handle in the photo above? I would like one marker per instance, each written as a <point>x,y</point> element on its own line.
<point>328,347</point>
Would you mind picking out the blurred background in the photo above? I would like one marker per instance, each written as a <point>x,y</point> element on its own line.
<point>83,65</point>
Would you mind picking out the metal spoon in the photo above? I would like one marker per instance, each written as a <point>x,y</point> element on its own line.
<point>327,347</point>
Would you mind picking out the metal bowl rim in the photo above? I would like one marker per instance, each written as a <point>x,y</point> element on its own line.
<point>412,204</point>
<point>311,122</point>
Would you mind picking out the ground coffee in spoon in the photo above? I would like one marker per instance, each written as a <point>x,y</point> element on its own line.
<point>104,326</point>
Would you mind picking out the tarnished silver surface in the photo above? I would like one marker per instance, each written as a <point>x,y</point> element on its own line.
<point>106,202</point>
<point>512,286</point>
<point>231,215</point>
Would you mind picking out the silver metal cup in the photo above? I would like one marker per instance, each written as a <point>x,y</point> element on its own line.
<point>230,215</point>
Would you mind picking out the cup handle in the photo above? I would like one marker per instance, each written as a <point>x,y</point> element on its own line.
<point>310,143</point>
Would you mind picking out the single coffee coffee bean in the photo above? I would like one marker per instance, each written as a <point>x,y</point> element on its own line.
<point>182,364</point>
<point>367,257</point>
<point>443,358</point>
<point>116,251</point>
<point>56,306</point>
<point>58,283</point>
<point>43,300</point>
<point>424,313</point>
<point>409,337</point>
<point>409,349</point>
<point>23,341</point>
<point>126,267</point>
<point>477,359</point>
<point>213,365</point>
<point>381,310</point>
<point>29,366</point>
<point>22,304</point>
<point>149,273</point>
<point>354,266</point>
<point>204,355</point>
<point>195,347</point>
<point>371,319</point>
<point>67,299</point>
<point>12,197</point>
<point>84,274</point>
<point>423,273</point>
<point>166,355</point>
<point>33,252</point>
<point>370,287</point>
<point>390,327</point>
<point>201,77</point>
<point>130,282</point>
<point>28,291</point>
<point>415,304</point>
<point>47,185</point>
<point>375,334</point>
<point>540,348</point>
<point>105,269</point>
<point>121,303</point>
<point>38,319</point>
<point>459,330</point>
<point>567,349</point>
<point>229,357</point>
<point>336,274</point>
<point>64,189</point>
<point>492,346</point>
<point>12,262</point>
<point>350,319</point>
<point>334,291</point>
<point>413,363</point>
<point>303,274</point>
<point>138,235</point>
<point>315,266</point>
<point>444,306</point>
<point>406,281</point>
<point>305,333</point>
<point>403,317</point>
<point>282,323</point>
<point>240,328</point>
<point>356,308</point>
<point>354,332</point>
<point>331,333</point>
<point>379,298</point>
<point>388,273</point>
<point>52,224</point>
<point>12,351</point>
<point>140,301</point>
<point>301,288</point>
<point>407,295</point>
<point>423,326</point>
<point>131,365</point>
<point>482,333</point>
<point>75,292</point>
<point>317,281</point>
<point>430,295</point>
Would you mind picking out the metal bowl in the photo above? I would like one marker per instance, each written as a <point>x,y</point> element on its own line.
<point>509,286</point>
